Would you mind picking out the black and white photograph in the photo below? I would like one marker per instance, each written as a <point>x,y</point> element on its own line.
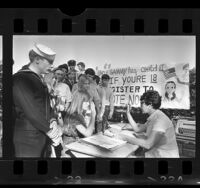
<point>1,69</point>
<point>103,96</point>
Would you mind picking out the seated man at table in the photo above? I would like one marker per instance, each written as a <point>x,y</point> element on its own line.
<point>75,121</point>
<point>160,139</point>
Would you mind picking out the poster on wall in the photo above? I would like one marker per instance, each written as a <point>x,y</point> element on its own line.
<point>171,81</point>
<point>1,86</point>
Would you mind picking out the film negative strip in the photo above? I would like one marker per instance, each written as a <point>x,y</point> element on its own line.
<point>140,129</point>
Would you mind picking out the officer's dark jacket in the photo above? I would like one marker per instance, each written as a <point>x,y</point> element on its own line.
<point>31,102</point>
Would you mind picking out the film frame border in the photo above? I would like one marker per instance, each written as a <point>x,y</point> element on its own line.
<point>130,22</point>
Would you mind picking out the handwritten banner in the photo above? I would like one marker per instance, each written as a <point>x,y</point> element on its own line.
<point>129,83</point>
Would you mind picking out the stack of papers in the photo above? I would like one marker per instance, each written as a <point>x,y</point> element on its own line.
<point>104,142</point>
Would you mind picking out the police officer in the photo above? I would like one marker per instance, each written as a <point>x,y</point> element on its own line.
<point>35,125</point>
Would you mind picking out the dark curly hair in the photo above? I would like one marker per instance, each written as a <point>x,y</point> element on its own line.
<point>105,77</point>
<point>64,66</point>
<point>71,62</point>
<point>81,64</point>
<point>151,97</point>
<point>90,71</point>
<point>97,79</point>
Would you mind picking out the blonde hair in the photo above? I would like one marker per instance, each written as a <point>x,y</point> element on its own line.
<point>77,101</point>
<point>81,81</point>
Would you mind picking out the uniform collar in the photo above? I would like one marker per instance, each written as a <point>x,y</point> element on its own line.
<point>26,69</point>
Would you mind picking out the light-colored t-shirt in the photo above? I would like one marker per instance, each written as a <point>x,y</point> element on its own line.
<point>87,112</point>
<point>62,90</point>
<point>92,92</point>
<point>167,146</point>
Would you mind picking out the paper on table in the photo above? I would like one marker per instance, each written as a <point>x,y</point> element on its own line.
<point>133,134</point>
<point>108,133</point>
<point>104,141</point>
<point>128,133</point>
<point>115,126</point>
<point>81,155</point>
<point>120,126</point>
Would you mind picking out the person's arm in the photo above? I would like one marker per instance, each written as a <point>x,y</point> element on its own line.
<point>158,130</point>
<point>147,143</point>
<point>111,100</point>
<point>90,129</point>
<point>96,100</point>
<point>136,127</point>
<point>102,110</point>
<point>102,96</point>
<point>68,97</point>
<point>27,96</point>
